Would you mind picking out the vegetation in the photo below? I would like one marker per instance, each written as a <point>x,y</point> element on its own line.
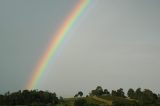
<point>80,93</point>
<point>26,97</point>
<point>97,97</point>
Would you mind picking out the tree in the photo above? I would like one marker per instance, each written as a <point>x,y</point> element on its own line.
<point>80,93</point>
<point>94,92</point>
<point>131,93</point>
<point>106,92</point>
<point>120,92</point>
<point>99,90</point>
<point>114,93</point>
<point>149,97</point>
<point>138,93</point>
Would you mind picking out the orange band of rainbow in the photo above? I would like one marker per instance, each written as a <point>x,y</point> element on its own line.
<point>56,42</point>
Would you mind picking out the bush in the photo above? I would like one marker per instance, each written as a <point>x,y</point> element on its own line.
<point>80,102</point>
<point>83,102</point>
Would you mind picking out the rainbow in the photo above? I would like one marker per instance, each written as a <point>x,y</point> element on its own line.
<point>56,42</point>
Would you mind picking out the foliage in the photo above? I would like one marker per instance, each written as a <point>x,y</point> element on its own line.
<point>135,98</point>
<point>80,102</point>
<point>83,102</point>
<point>117,97</point>
<point>80,93</point>
<point>99,91</point>
<point>131,93</point>
<point>26,97</point>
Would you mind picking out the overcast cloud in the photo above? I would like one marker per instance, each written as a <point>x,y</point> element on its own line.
<point>115,44</point>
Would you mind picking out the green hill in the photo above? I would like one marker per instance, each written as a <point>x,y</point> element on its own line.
<point>89,100</point>
<point>100,101</point>
<point>97,97</point>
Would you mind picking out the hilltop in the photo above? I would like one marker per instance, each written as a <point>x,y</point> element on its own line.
<point>99,101</point>
<point>97,97</point>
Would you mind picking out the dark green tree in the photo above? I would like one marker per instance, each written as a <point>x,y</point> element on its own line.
<point>99,90</point>
<point>106,92</point>
<point>80,93</point>
<point>131,93</point>
<point>120,92</point>
<point>138,93</point>
<point>114,93</point>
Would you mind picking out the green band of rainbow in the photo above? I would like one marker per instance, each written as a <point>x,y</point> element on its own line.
<point>57,41</point>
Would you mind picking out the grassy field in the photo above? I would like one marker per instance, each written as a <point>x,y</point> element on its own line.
<point>94,100</point>
<point>101,100</point>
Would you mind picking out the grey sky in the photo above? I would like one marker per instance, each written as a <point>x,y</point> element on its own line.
<point>115,44</point>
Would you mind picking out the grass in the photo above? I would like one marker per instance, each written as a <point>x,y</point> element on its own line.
<point>105,101</point>
<point>90,99</point>
<point>119,99</point>
<point>101,100</point>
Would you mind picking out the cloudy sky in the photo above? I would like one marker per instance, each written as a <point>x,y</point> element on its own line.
<point>114,44</point>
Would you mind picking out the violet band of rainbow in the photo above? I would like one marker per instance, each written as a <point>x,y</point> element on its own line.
<point>56,42</point>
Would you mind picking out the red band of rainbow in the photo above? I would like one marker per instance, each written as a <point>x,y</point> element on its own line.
<point>56,42</point>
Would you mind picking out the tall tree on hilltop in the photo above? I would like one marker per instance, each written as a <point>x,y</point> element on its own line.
<point>114,93</point>
<point>120,92</point>
<point>80,93</point>
<point>131,93</point>
<point>106,91</point>
<point>138,93</point>
<point>99,90</point>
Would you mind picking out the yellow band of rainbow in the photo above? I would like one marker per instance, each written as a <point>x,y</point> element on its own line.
<point>57,41</point>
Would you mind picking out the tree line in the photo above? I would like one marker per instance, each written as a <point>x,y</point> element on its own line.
<point>137,97</point>
<point>140,97</point>
<point>29,97</point>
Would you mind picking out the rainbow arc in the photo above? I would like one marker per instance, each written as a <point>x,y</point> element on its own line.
<point>57,41</point>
